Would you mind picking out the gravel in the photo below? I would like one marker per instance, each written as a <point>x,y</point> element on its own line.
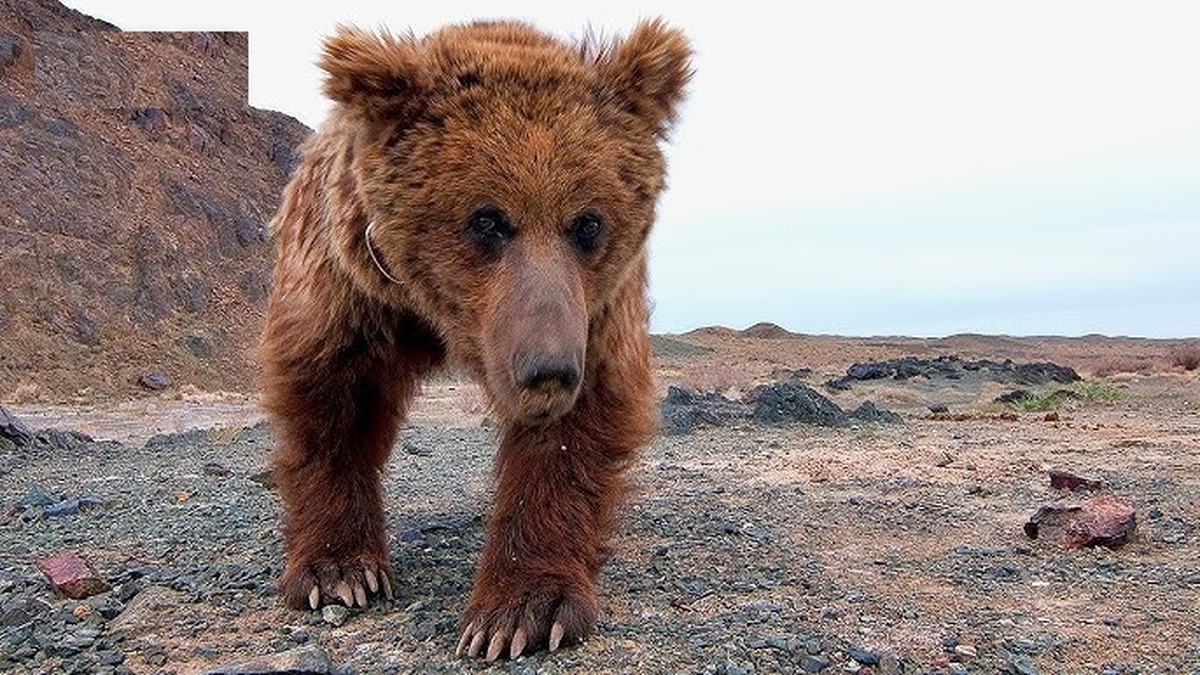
<point>746,549</point>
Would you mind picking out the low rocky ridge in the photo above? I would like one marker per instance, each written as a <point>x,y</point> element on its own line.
<point>791,401</point>
<point>955,368</point>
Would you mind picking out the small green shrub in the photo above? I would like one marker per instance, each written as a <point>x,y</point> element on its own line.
<point>1097,392</point>
<point>1088,391</point>
<point>1040,401</point>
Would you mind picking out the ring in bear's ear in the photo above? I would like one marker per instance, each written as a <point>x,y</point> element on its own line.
<point>374,258</point>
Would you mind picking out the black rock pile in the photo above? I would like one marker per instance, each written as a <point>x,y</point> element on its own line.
<point>776,404</point>
<point>955,368</point>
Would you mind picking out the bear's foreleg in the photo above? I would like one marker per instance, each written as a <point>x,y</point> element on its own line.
<point>336,403</point>
<point>559,487</point>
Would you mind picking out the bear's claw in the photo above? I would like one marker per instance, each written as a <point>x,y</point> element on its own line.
<point>500,639</point>
<point>512,628</point>
<point>350,584</point>
<point>556,636</point>
<point>519,641</point>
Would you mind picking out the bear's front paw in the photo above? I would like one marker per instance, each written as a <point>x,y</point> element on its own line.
<point>525,620</point>
<point>327,582</point>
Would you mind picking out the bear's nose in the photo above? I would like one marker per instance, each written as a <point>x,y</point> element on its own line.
<point>537,373</point>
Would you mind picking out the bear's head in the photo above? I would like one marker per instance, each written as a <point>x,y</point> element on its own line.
<point>509,180</point>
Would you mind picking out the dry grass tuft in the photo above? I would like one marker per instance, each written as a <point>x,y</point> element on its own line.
<point>1116,365</point>
<point>1187,356</point>
<point>223,435</point>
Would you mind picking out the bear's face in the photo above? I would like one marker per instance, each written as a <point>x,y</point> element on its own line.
<point>511,181</point>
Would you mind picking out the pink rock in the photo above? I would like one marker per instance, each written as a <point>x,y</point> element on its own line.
<point>72,576</point>
<point>1065,480</point>
<point>1106,521</point>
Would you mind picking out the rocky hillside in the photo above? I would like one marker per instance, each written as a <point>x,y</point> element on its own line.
<point>137,185</point>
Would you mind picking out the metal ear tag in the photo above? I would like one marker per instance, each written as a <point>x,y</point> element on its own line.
<point>371,250</point>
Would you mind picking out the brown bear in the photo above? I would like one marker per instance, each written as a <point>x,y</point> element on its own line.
<point>481,196</point>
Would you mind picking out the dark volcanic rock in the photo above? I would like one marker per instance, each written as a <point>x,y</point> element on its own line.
<point>1040,373</point>
<point>870,371</point>
<point>1014,396</point>
<point>69,507</point>
<point>954,368</point>
<point>61,439</point>
<point>154,380</point>
<point>1019,396</point>
<point>12,113</point>
<point>10,50</point>
<point>21,610</point>
<point>12,428</point>
<point>867,411</point>
<point>789,402</point>
<point>150,120</point>
<point>786,402</point>
<point>683,412</point>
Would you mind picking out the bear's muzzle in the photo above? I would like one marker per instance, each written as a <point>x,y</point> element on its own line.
<point>536,338</point>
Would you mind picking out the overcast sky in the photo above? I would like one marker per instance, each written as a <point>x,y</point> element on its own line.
<point>870,168</point>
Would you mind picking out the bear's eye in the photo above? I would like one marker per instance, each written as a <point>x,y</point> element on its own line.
<point>585,231</point>
<point>490,228</point>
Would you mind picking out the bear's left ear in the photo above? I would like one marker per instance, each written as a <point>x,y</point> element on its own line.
<point>379,75</point>
<point>647,73</point>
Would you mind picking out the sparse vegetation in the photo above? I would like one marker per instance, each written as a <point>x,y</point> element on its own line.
<point>1097,392</point>
<point>866,432</point>
<point>1187,356</point>
<point>670,346</point>
<point>1116,365</point>
<point>224,435</point>
<point>1040,401</point>
<point>1088,391</point>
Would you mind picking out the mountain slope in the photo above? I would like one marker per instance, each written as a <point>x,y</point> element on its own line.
<point>137,188</point>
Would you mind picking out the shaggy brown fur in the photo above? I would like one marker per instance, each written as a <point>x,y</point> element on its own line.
<point>482,195</point>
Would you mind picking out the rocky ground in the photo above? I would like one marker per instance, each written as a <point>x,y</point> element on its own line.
<point>750,546</point>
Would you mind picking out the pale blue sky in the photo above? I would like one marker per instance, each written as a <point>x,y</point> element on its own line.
<point>865,168</point>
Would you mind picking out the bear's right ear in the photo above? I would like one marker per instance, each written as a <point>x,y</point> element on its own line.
<point>647,72</point>
<point>379,75</point>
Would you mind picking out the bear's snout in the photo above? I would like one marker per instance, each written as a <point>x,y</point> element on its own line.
<point>535,332</point>
<point>546,372</point>
<point>547,385</point>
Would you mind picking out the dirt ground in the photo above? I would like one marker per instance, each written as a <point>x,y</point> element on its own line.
<point>868,548</point>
